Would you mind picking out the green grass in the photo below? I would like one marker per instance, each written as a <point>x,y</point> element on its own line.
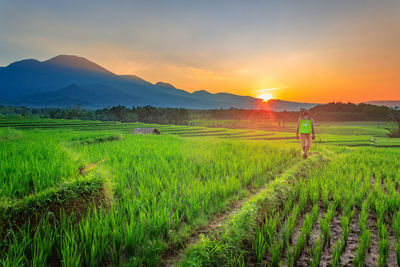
<point>163,188</point>
<point>138,196</point>
<point>33,162</point>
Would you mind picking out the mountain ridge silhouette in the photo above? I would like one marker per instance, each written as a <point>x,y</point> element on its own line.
<point>67,80</point>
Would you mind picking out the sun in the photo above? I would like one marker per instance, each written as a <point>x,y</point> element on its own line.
<point>265,97</point>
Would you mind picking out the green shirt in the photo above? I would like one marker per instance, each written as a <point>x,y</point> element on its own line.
<point>305,126</point>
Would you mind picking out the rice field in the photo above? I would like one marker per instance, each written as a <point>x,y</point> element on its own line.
<point>86,193</point>
<point>344,215</point>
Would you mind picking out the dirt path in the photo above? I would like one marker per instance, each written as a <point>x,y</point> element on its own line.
<point>172,258</point>
<point>83,170</point>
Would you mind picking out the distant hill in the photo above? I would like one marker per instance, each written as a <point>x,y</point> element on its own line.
<point>387,103</point>
<point>280,105</point>
<point>351,112</point>
<point>67,80</point>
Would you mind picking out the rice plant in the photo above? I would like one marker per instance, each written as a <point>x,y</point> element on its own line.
<point>94,234</point>
<point>69,251</point>
<point>383,244</point>
<point>42,244</point>
<point>165,187</point>
<point>365,241</point>
<point>15,254</point>
<point>260,246</point>
<point>304,236</point>
<point>325,224</point>
<point>316,252</point>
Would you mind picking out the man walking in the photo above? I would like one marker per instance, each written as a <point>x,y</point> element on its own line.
<point>305,127</point>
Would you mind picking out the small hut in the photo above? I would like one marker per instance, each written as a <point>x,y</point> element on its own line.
<point>145,131</point>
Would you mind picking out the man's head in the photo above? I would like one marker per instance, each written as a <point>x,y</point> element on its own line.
<point>306,113</point>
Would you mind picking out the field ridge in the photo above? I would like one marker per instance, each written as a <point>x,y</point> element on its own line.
<point>269,196</point>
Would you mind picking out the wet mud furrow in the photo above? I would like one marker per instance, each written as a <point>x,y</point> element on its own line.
<point>350,249</point>
<point>304,258</point>
<point>336,230</point>
<point>392,258</point>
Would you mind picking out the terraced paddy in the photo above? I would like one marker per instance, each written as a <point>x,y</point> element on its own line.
<point>86,193</point>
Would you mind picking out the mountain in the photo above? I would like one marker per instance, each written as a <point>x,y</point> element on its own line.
<point>66,80</point>
<point>30,76</point>
<point>100,96</point>
<point>75,62</point>
<point>387,103</point>
<point>165,85</point>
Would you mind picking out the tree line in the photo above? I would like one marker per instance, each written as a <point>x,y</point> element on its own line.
<point>148,114</point>
<point>145,114</point>
<point>327,112</point>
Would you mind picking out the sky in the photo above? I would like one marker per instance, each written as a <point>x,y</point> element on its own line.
<point>300,50</point>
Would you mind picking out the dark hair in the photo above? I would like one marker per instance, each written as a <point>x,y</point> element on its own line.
<point>306,112</point>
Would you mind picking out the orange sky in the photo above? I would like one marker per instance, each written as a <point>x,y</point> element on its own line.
<point>363,72</point>
<point>313,51</point>
<point>355,62</point>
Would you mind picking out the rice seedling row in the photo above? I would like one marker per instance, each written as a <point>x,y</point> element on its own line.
<point>357,215</point>
<point>165,187</point>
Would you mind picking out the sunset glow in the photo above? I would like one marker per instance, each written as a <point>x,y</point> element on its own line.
<point>265,97</point>
<point>322,51</point>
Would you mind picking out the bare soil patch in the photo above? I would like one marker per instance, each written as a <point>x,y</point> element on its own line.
<point>296,233</point>
<point>392,259</point>
<point>350,250</point>
<point>336,230</point>
<point>372,255</point>
<point>304,258</point>
<point>83,170</point>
